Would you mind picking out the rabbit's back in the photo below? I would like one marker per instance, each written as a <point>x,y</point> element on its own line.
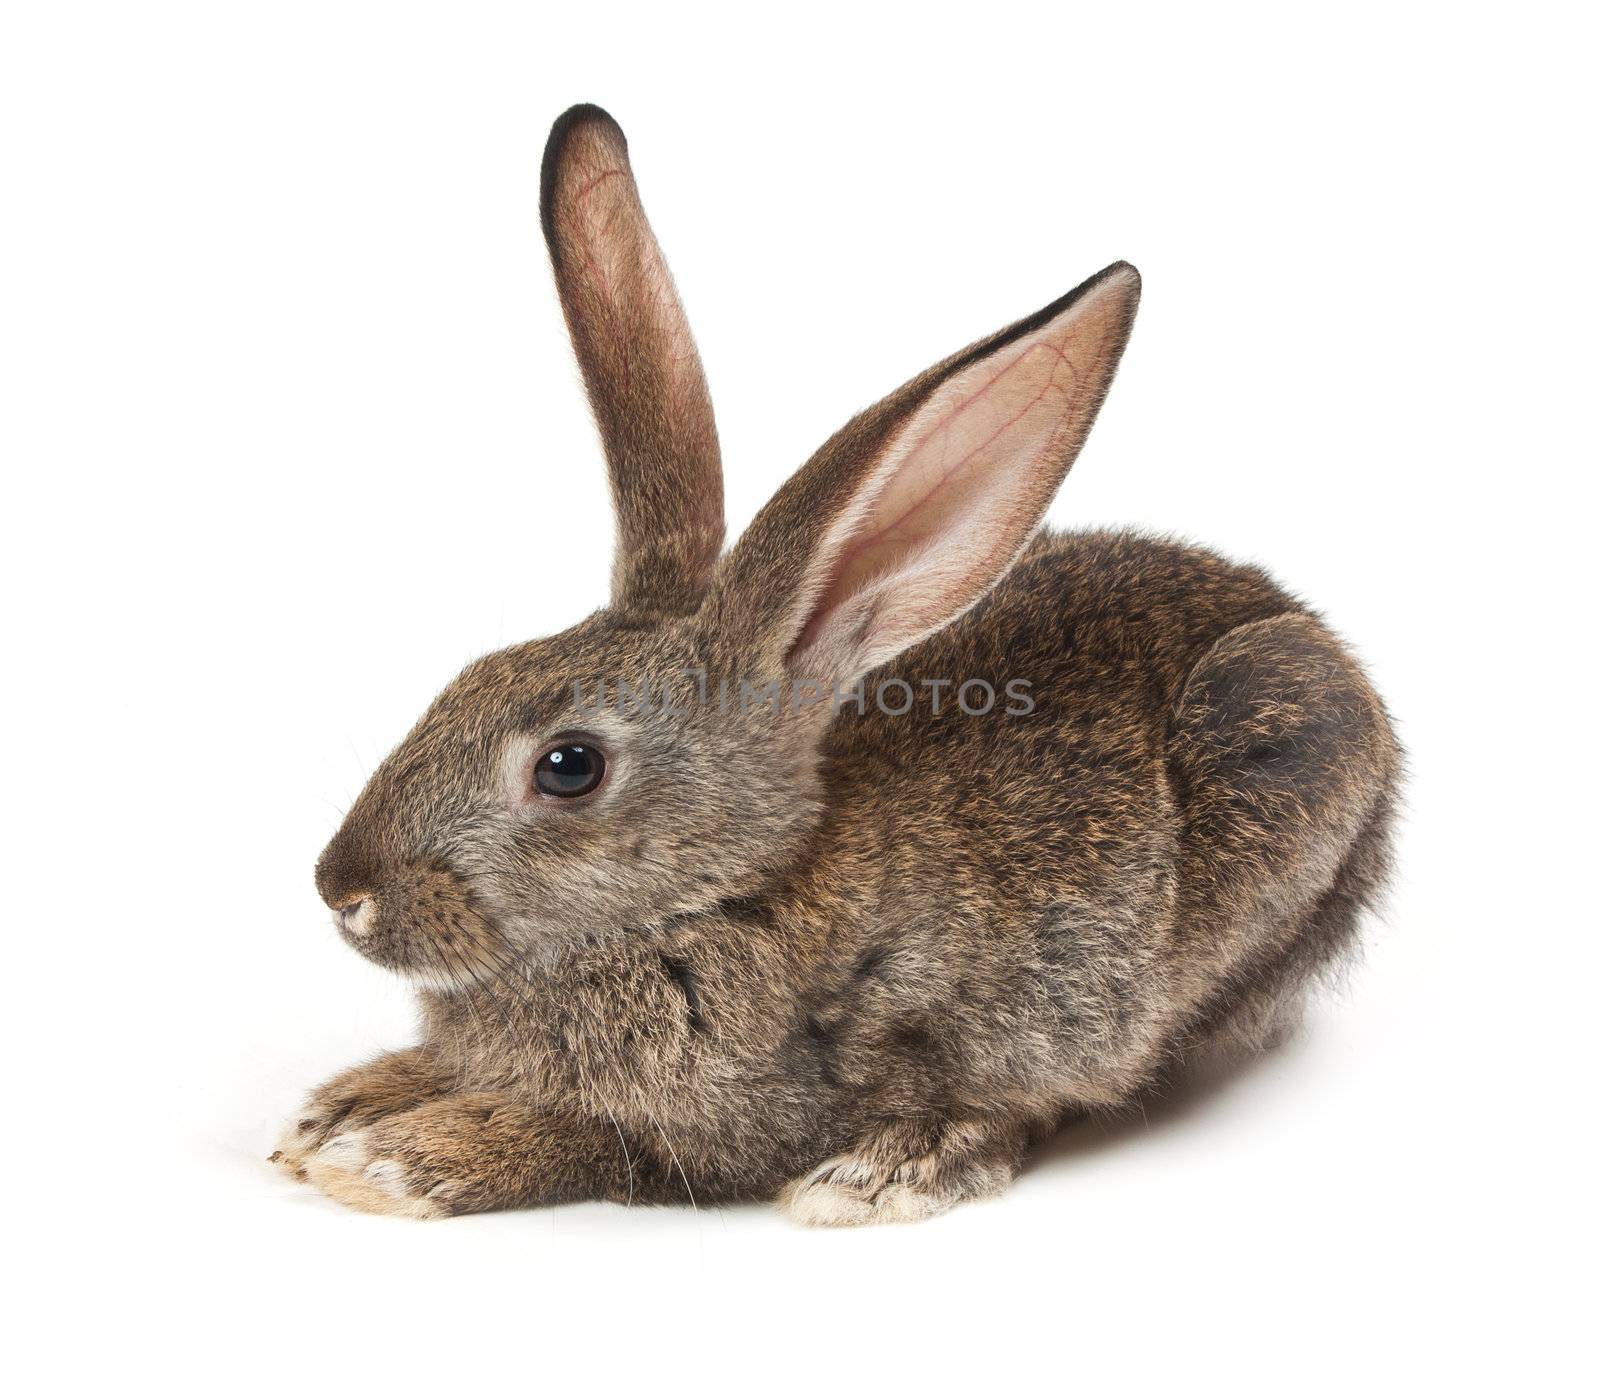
<point>1086,647</point>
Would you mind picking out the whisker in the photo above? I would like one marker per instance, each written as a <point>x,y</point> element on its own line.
<point>681,1173</point>
<point>446,964</point>
<point>497,971</point>
<point>626,1156</point>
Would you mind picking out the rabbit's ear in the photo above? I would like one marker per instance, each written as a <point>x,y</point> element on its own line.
<point>639,365</point>
<point>918,506</point>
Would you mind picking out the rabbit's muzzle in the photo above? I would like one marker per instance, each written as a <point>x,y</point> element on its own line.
<point>421,920</point>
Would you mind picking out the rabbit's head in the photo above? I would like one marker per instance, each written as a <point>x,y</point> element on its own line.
<point>666,753</point>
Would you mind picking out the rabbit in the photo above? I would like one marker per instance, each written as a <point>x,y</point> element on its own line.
<point>928,832</point>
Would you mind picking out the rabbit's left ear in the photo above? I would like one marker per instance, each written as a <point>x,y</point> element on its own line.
<point>639,365</point>
<point>915,508</point>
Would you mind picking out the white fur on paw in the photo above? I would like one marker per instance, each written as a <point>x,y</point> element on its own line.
<point>347,1152</point>
<point>848,1191</point>
<point>847,1203</point>
<point>345,1170</point>
<point>845,1191</point>
<point>388,1176</point>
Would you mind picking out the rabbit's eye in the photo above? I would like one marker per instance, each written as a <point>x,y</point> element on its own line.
<point>569,771</point>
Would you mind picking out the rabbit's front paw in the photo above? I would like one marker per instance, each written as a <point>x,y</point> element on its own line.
<point>356,1170</point>
<point>465,1152</point>
<point>307,1130</point>
<point>352,1100</point>
<point>470,1151</point>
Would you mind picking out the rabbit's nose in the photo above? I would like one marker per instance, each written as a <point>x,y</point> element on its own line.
<point>356,915</point>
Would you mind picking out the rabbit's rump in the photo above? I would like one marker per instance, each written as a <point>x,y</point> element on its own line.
<point>1283,766</point>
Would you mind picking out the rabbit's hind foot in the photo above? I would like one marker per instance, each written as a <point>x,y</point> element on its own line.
<point>907,1170</point>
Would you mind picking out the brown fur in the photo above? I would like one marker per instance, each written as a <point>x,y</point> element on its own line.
<point>645,384</point>
<point>856,959</point>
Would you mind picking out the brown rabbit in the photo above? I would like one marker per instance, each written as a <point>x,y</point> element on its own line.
<point>839,866</point>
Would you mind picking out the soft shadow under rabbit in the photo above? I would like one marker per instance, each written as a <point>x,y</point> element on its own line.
<point>776,929</point>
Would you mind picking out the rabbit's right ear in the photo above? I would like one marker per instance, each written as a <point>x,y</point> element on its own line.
<point>917,507</point>
<point>639,365</point>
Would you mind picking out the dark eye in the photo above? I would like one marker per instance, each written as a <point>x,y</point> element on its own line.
<point>569,771</point>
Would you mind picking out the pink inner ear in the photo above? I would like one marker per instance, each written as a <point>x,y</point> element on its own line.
<point>956,496</point>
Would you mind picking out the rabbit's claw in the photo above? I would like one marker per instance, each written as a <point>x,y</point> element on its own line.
<point>306,1131</point>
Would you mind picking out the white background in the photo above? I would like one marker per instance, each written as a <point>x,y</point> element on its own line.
<point>291,431</point>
